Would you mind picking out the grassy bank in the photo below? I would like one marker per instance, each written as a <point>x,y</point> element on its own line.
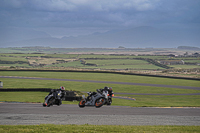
<point>103,77</point>
<point>86,86</point>
<point>28,97</point>
<point>97,129</point>
<point>141,100</point>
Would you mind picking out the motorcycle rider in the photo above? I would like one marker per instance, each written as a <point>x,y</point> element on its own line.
<point>109,89</point>
<point>59,94</point>
<point>90,95</point>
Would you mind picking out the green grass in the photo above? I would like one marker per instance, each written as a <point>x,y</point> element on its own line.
<point>13,59</point>
<point>158,57</point>
<point>141,100</point>
<point>21,55</point>
<point>185,66</point>
<point>103,77</point>
<point>130,67</point>
<point>159,101</point>
<point>36,97</point>
<point>68,64</point>
<point>38,55</point>
<point>105,56</point>
<point>84,86</point>
<point>48,128</point>
<point>121,64</point>
<point>27,97</point>
<point>16,65</point>
<point>68,56</point>
<point>116,61</point>
<point>193,60</point>
<point>102,61</point>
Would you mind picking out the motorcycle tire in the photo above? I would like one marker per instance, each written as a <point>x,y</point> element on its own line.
<point>44,105</point>
<point>82,103</point>
<point>109,102</point>
<point>99,102</point>
<point>50,102</point>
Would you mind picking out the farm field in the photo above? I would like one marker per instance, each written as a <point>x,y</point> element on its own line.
<point>137,61</point>
<point>185,66</point>
<point>102,62</point>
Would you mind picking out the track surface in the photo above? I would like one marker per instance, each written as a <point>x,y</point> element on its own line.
<point>30,114</point>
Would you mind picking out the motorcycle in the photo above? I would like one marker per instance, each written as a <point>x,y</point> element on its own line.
<point>52,99</point>
<point>93,99</point>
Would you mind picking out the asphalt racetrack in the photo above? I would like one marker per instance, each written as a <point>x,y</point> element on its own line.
<point>32,114</point>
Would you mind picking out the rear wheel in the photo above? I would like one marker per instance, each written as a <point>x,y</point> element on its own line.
<point>99,102</point>
<point>50,102</point>
<point>82,103</point>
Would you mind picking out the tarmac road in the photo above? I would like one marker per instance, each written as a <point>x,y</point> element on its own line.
<point>32,114</point>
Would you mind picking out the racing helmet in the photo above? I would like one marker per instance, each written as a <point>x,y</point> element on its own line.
<point>110,89</point>
<point>106,88</point>
<point>62,88</point>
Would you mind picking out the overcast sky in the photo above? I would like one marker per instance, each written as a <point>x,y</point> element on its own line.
<point>75,17</point>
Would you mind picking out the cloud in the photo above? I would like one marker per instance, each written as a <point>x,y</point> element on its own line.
<point>97,13</point>
<point>80,5</point>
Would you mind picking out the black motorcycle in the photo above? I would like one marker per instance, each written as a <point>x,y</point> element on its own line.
<point>54,98</point>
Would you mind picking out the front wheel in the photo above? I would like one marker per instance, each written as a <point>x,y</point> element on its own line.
<point>82,103</point>
<point>44,104</point>
<point>109,101</point>
<point>99,102</point>
<point>50,102</point>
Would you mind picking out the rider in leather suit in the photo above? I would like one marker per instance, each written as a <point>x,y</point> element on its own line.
<point>109,89</point>
<point>59,94</point>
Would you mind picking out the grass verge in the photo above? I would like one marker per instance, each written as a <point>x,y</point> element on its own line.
<point>159,101</point>
<point>141,100</point>
<point>97,129</point>
<point>103,77</point>
<point>83,86</point>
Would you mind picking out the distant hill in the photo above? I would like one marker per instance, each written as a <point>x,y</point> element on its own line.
<point>12,35</point>
<point>140,37</point>
<point>188,48</point>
